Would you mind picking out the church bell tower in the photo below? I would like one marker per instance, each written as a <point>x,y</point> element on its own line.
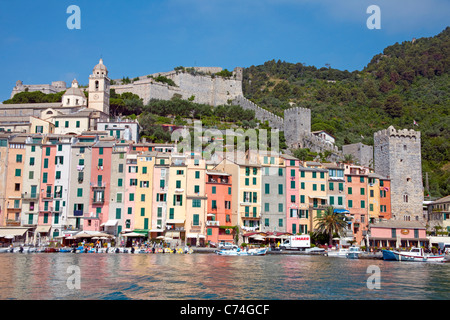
<point>99,88</point>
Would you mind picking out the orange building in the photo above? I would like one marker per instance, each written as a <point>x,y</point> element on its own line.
<point>219,213</point>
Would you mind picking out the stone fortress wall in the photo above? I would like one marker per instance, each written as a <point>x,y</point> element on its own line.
<point>54,87</point>
<point>207,88</point>
<point>397,155</point>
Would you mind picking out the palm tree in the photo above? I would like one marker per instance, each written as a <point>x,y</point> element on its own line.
<point>330,223</point>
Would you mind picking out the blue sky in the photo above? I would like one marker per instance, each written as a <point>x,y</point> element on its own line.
<point>141,37</point>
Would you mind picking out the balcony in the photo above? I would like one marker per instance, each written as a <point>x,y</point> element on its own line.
<point>30,196</point>
<point>77,213</point>
<point>98,200</point>
<point>47,195</point>
<point>211,223</point>
<point>12,223</point>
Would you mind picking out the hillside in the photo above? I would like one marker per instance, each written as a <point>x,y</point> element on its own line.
<point>407,82</point>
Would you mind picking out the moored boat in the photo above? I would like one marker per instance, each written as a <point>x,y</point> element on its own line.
<point>353,253</point>
<point>341,253</point>
<point>239,252</point>
<point>414,255</point>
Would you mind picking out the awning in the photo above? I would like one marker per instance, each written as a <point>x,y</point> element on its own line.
<point>171,221</point>
<point>173,234</point>
<point>110,223</point>
<point>195,235</point>
<point>341,211</point>
<point>133,234</point>
<point>43,229</point>
<point>12,232</point>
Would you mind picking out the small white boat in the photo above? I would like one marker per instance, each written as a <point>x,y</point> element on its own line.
<point>239,252</point>
<point>341,253</point>
<point>353,253</point>
<point>414,255</point>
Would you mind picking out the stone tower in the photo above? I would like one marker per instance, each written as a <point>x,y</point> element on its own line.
<point>397,155</point>
<point>99,88</point>
<point>297,125</point>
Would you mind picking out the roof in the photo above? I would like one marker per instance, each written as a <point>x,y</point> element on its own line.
<point>442,200</point>
<point>398,224</point>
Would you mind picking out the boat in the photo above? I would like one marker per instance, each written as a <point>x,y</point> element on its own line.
<point>341,253</point>
<point>414,255</point>
<point>353,253</point>
<point>239,252</point>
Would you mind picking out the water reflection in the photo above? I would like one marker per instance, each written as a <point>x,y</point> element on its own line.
<point>208,276</point>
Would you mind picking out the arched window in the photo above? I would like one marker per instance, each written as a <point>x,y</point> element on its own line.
<point>96,85</point>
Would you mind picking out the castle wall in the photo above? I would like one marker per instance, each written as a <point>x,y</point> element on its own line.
<point>205,89</point>
<point>397,156</point>
<point>361,152</point>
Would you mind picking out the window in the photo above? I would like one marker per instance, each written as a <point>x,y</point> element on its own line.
<point>213,204</point>
<point>331,186</point>
<point>267,188</point>
<point>213,190</point>
<point>362,191</point>
<point>131,197</point>
<point>280,207</point>
<point>254,181</point>
<point>77,124</point>
<point>196,203</point>
<point>119,198</point>
<point>314,175</point>
<point>350,203</point>
<point>46,163</point>
<point>144,169</point>
<point>197,189</point>
<point>266,207</point>
<point>178,184</point>
<point>363,204</point>
<point>195,219</point>
<point>18,158</point>
<point>322,187</point>
<point>266,222</point>
<point>280,189</point>
<point>331,200</point>
<point>314,187</point>
<point>197,174</point>
<point>292,184</point>
<point>119,182</point>
<point>405,198</point>
<point>142,197</point>
<point>322,175</point>
<point>292,198</point>
<point>18,172</point>
<point>350,190</point>
<point>118,213</point>
<point>292,172</point>
<point>361,179</point>
<point>302,199</point>
<point>349,178</point>
<point>280,222</point>
<point>247,181</point>
<point>302,185</point>
<point>66,124</point>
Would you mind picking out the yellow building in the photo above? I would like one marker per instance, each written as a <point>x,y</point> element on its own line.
<point>196,201</point>
<point>246,190</point>
<point>313,194</point>
<point>143,195</point>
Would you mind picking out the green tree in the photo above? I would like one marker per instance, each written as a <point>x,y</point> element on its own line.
<point>331,223</point>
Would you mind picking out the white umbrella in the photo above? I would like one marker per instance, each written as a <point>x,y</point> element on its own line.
<point>133,234</point>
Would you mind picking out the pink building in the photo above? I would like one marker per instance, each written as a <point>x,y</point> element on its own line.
<point>293,221</point>
<point>394,234</point>
<point>100,187</point>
